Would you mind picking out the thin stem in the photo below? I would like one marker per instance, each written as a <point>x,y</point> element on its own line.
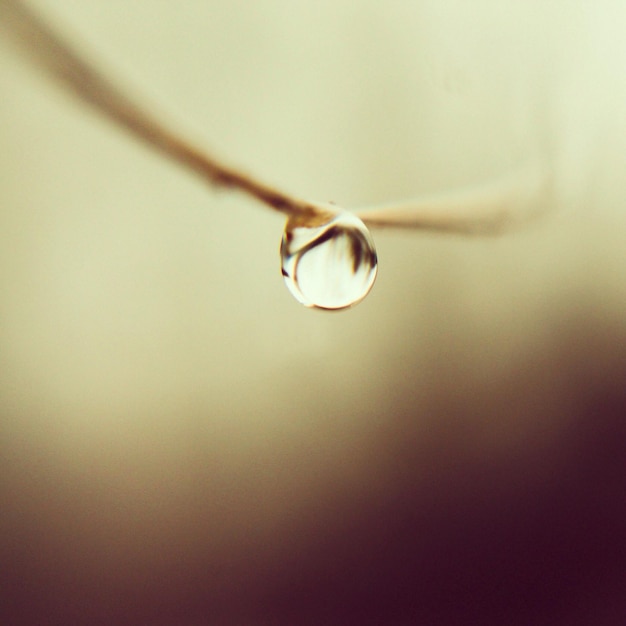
<point>488,209</point>
<point>491,208</point>
<point>63,62</point>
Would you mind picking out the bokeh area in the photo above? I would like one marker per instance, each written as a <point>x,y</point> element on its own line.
<point>181,443</point>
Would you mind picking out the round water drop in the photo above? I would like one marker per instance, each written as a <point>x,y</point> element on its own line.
<point>330,265</point>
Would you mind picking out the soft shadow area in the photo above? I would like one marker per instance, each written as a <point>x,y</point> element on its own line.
<point>533,536</point>
<point>536,536</point>
<point>460,534</point>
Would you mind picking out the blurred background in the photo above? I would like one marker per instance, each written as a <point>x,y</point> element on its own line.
<point>183,443</point>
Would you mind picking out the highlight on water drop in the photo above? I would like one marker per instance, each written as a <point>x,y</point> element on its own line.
<point>331,265</point>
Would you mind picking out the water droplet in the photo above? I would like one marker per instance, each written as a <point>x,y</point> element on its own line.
<point>329,265</point>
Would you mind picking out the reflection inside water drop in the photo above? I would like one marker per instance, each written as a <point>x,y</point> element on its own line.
<point>330,265</point>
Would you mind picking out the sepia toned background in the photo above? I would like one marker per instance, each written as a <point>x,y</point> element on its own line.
<point>183,443</point>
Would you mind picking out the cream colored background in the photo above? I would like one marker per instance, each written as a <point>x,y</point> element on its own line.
<point>165,403</point>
